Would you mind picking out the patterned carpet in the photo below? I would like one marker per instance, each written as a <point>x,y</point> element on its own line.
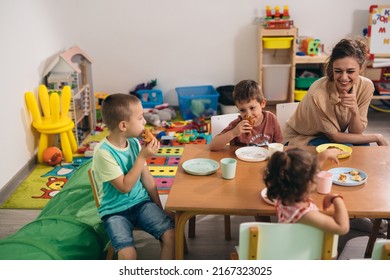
<point>45,181</point>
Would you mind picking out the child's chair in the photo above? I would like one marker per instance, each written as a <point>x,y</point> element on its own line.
<point>381,250</point>
<point>219,122</point>
<point>54,120</point>
<point>284,111</point>
<point>110,249</point>
<point>275,241</point>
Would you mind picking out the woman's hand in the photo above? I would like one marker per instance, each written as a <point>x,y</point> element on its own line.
<point>349,100</point>
<point>381,140</point>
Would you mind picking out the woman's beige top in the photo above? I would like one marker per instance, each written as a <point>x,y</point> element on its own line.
<point>320,111</point>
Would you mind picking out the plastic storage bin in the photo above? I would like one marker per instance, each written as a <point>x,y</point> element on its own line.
<point>277,42</point>
<point>228,109</point>
<point>276,81</point>
<point>197,101</point>
<point>299,94</point>
<point>304,79</point>
<point>150,97</point>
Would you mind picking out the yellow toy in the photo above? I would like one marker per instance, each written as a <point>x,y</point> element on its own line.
<point>54,120</point>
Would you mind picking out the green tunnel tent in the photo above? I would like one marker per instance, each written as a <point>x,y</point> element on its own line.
<point>68,228</point>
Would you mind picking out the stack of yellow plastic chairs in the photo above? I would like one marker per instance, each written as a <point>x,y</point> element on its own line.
<point>53,121</point>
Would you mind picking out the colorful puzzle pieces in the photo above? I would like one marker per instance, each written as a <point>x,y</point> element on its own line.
<point>163,170</point>
<point>170,151</point>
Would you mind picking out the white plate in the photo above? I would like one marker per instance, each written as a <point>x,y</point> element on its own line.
<point>263,194</point>
<point>252,153</point>
<point>200,166</point>
<point>344,170</point>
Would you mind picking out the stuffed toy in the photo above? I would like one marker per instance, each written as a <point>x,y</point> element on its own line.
<point>156,116</point>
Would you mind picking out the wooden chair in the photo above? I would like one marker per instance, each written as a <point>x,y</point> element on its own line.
<point>274,241</point>
<point>110,250</point>
<point>381,250</point>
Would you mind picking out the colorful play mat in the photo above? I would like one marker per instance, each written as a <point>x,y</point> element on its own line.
<point>46,181</point>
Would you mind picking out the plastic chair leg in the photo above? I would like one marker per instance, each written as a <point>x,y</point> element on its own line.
<point>42,146</point>
<point>66,149</point>
<point>72,140</point>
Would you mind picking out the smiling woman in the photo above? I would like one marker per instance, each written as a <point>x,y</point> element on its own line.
<point>335,108</point>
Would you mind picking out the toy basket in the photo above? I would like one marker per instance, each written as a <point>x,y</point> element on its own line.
<point>197,101</point>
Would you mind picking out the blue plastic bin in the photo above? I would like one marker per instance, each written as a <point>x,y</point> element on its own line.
<point>150,97</point>
<point>197,101</point>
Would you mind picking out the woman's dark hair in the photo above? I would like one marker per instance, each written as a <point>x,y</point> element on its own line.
<point>288,174</point>
<point>357,49</point>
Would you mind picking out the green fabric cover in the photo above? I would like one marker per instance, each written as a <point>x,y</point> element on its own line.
<point>68,228</point>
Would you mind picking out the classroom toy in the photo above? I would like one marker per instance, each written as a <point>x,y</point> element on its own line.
<point>54,120</point>
<point>52,156</point>
<point>310,46</point>
<point>278,20</point>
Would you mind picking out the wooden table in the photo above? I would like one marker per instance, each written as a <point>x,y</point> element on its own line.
<point>193,195</point>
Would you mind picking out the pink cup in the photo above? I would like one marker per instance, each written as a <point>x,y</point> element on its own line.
<point>324,182</point>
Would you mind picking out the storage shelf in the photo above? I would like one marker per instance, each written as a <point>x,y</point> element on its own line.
<point>310,59</point>
<point>273,55</point>
<point>381,97</point>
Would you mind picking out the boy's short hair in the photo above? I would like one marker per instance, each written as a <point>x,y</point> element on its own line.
<point>115,108</point>
<point>247,90</point>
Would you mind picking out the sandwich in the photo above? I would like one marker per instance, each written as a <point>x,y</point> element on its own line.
<point>357,178</point>
<point>250,119</point>
<point>342,178</point>
<point>147,136</point>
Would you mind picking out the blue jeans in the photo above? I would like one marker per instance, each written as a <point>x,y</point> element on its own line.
<point>145,215</point>
<point>324,140</point>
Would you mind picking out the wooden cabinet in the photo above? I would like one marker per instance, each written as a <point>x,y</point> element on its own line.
<point>276,63</point>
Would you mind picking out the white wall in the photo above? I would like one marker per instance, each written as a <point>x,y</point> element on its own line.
<point>179,42</point>
<point>188,42</point>
<point>31,32</point>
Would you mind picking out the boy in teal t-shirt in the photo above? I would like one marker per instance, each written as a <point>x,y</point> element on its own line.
<point>127,191</point>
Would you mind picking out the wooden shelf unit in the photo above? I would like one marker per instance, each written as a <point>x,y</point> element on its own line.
<point>289,55</point>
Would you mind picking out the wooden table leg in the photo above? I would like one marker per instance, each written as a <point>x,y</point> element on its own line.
<point>228,234</point>
<point>373,235</point>
<point>191,227</point>
<point>181,219</point>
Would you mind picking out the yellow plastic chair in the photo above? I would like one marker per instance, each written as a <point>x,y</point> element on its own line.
<point>53,121</point>
<point>274,241</point>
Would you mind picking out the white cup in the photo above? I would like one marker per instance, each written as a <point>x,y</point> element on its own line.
<point>275,147</point>
<point>228,166</point>
<point>324,182</point>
